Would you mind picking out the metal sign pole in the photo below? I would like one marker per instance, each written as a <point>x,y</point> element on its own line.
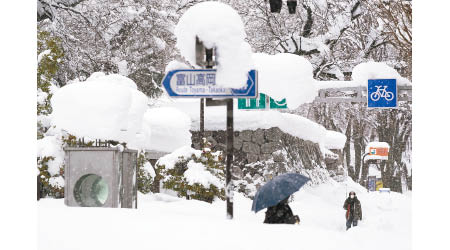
<point>202,120</point>
<point>199,59</point>
<point>362,167</point>
<point>205,57</point>
<point>230,142</point>
<point>230,139</point>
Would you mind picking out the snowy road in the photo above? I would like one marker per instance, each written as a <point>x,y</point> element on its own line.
<point>165,222</point>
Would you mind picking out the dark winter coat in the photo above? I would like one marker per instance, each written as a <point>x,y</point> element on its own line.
<point>353,207</point>
<point>281,213</point>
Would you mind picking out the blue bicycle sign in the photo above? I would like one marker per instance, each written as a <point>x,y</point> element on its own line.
<point>382,93</point>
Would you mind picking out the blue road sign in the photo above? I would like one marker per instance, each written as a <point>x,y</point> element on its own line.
<point>201,83</point>
<point>371,185</point>
<point>382,93</point>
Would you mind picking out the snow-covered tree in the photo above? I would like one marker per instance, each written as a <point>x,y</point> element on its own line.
<point>133,38</point>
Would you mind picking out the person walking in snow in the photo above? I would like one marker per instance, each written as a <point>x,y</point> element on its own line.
<point>281,214</point>
<point>354,212</point>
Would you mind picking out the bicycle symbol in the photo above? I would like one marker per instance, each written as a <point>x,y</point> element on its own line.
<point>381,92</point>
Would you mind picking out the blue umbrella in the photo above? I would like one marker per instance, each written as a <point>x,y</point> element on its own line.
<point>278,189</point>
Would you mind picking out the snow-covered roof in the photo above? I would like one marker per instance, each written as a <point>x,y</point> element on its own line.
<point>110,107</point>
<point>102,107</point>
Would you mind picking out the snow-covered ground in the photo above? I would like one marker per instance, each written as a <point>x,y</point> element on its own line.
<point>167,222</point>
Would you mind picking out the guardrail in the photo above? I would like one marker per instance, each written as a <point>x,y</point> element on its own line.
<point>357,94</point>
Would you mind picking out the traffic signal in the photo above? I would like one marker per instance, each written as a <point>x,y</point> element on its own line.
<point>275,6</point>
<point>292,4</point>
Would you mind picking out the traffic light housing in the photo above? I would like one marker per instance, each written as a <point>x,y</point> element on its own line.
<point>275,6</point>
<point>292,5</point>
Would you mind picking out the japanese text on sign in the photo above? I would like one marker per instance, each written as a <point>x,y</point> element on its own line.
<point>202,83</point>
<point>191,79</point>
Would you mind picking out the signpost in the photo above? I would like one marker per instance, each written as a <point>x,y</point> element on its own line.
<point>379,151</point>
<point>359,94</point>
<point>375,152</point>
<point>200,83</point>
<point>382,93</point>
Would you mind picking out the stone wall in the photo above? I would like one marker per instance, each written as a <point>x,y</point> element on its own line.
<point>262,154</point>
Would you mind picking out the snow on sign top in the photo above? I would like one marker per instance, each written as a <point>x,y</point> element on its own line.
<point>217,25</point>
<point>103,107</point>
<point>376,70</point>
<point>366,71</point>
<point>287,76</point>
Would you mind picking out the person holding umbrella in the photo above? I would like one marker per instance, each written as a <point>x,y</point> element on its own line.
<point>274,196</point>
<point>353,207</point>
<point>281,213</point>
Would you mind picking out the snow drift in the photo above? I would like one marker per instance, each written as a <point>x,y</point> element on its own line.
<point>160,218</point>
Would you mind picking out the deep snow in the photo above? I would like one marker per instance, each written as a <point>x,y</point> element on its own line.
<point>166,222</point>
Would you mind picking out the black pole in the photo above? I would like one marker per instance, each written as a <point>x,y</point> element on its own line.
<point>38,186</point>
<point>202,121</point>
<point>230,137</point>
<point>202,100</point>
<point>362,167</point>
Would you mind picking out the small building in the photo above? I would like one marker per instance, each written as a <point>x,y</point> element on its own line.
<point>375,152</point>
<point>100,177</point>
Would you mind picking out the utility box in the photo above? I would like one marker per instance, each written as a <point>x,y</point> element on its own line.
<point>100,177</point>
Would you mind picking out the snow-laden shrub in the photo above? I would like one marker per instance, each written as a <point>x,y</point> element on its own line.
<point>50,187</point>
<point>193,174</point>
<point>146,174</point>
<point>50,161</point>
